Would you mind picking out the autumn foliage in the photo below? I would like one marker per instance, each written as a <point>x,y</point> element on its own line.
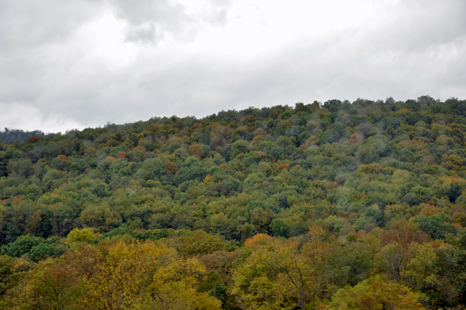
<point>334,205</point>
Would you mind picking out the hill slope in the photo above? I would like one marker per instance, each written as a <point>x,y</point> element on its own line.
<point>369,180</point>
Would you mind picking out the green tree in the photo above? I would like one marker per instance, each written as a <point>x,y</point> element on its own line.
<point>436,226</point>
<point>279,228</point>
<point>22,245</point>
<point>239,147</point>
<point>454,191</point>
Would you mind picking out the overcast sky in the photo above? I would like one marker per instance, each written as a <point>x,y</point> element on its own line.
<point>83,63</point>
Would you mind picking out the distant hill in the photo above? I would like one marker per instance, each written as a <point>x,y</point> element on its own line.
<point>13,135</point>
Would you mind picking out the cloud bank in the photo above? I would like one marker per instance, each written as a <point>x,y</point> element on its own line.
<point>73,64</point>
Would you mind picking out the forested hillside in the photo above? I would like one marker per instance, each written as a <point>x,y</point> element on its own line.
<point>319,206</point>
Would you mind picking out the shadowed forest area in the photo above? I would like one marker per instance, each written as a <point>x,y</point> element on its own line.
<point>337,205</point>
<point>13,135</point>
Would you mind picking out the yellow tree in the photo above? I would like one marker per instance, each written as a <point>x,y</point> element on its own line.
<point>86,235</point>
<point>421,271</point>
<point>15,292</point>
<point>175,286</point>
<point>375,293</point>
<point>116,276</point>
<point>139,275</point>
<point>283,274</point>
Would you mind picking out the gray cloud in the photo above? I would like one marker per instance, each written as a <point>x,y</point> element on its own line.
<point>150,21</point>
<point>51,78</point>
<point>25,25</point>
<point>418,25</point>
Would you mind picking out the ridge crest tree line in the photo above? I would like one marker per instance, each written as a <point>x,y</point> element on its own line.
<point>318,206</point>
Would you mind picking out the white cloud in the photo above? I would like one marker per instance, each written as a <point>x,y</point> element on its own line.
<point>72,64</point>
<point>27,117</point>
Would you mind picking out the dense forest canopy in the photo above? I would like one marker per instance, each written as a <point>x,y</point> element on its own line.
<point>316,206</point>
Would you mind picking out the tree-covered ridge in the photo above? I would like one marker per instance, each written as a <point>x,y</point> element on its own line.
<point>272,208</point>
<point>12,135</point>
